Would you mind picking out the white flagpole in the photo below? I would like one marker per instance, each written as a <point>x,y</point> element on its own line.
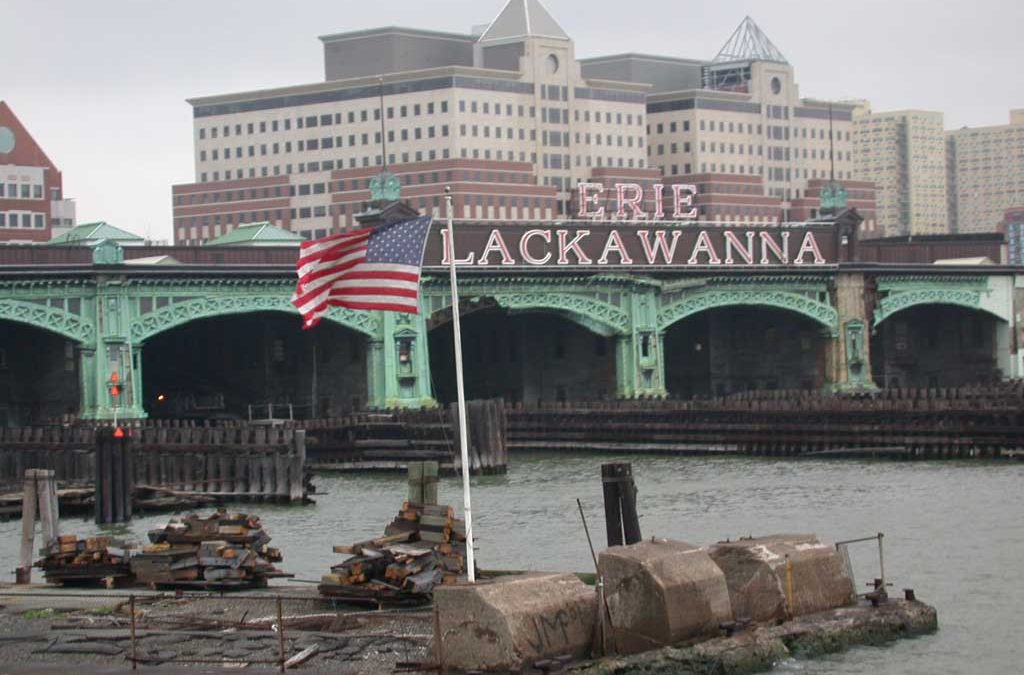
<point>463,435</point>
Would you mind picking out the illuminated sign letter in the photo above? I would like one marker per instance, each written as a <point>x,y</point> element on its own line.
<point>524,246</point>
<point>659,202</point>
<point>586,200</point>
<point>563,247</point>
<point>495,243</point>
<point>661,245</point>
<point>809,245</point>
<point>732,242</point>
<point>768,244</point>
<point>634,202</point>
<point>614,244</point>
<point>446,259</point>
<point>682,195</point>
<point>703,245</point>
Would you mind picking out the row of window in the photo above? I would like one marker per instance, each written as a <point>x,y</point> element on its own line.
<point>21,190</point>
<point>324,143</point>
<point>405,157</point>
<point>341,185</point>
<point>22,219</point>
<point>310,121</point>
<point>306,212</point>
<point>775,153</point>
<point>738,127</point>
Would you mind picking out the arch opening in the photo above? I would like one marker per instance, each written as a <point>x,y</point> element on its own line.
<point>728,350</point>
<point>936,346</point>
<point>526,356</point>
<point>40,381</point>
<point>217,367</point>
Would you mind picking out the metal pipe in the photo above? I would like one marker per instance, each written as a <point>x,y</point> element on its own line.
<point>881,560</point>
<point>280,633</point>
<point>131,609</point>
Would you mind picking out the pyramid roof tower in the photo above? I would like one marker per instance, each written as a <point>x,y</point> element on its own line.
<point>521,19</point>
<point>749,43</point>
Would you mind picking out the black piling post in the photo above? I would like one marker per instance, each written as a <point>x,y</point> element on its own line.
<point>612,510</point>
<point>620,515</point>
<point>114,478</point>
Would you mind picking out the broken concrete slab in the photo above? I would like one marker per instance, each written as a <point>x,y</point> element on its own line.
<point>755,572</point>
<point>513,621</point>
<point>661,592</point>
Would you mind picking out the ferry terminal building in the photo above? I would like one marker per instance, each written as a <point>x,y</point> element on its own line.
<point>552,310</point>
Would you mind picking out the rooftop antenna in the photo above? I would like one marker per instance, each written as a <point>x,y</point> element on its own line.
<point>831,146</point>
<point>383,134</point>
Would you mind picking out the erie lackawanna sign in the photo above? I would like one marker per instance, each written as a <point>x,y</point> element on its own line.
<point>636,244</point>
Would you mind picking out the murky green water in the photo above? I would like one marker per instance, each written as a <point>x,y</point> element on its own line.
<point>954,532</point>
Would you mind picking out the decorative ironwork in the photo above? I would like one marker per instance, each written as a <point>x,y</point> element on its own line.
<point>49,318</point>
<point>595,315</point>
<point>900,300</point>
<point>705,299</point>
<point>180,313</point>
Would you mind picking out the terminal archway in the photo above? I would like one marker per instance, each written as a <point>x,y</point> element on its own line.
<point>727,350</point>
<point>523,355</point>
<point>39,377</point>
<point>217,367</point>
<point>937,346</point>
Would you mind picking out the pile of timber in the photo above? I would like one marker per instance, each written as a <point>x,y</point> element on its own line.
<point>70,560</point>
<point>222,552</point>
<point>424,546</point>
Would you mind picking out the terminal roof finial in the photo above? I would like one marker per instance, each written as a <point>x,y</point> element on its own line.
<point>749,43</point>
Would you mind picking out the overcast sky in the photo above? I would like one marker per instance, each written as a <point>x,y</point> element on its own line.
<point>102,84</point>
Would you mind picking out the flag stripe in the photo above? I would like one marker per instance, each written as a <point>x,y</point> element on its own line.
<point>368,269</point>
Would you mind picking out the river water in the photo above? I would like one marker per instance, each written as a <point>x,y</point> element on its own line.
<point>954,531</point>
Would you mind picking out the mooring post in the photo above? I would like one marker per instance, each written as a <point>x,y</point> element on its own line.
<point>612,509</point>
<point>131,608</point>
<point>430,471</point>
<point>114,478</point>
<point>23,575</point>
<point>630,518</point>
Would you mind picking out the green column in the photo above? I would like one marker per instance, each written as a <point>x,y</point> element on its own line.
<point>406,363</point>
<point>639,354</point>
<point>112,352</point>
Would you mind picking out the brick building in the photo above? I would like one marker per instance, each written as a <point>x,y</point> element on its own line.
<point>32,205</point>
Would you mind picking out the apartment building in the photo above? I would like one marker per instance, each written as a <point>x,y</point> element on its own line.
<point>492,102</point>
<point>32,206</point>
<point>902,153</point>
<point>985,174</point>
<point>740,113</point>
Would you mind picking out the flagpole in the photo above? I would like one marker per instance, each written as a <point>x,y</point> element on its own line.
<point>463,435</point>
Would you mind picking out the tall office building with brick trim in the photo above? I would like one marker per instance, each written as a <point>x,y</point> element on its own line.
<point>513,118</point>
<point>985,173</point>
<point>505,114</point>
<point>32,204</point>
<point>902,153</point>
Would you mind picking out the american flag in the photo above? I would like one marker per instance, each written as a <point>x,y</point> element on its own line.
<point>371,268</point>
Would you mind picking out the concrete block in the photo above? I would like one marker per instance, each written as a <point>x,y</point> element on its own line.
<point>755,571</point>
<point>513,621</point>
<point>661,592</point>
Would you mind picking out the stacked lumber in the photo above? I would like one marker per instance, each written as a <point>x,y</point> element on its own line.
<point>222,551</point>
<point>423,546</point>
<point>70,560</point>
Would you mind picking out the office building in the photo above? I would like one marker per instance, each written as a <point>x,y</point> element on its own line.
<point>902,153</point>
<point>985,169</point>
<point>32,205</point>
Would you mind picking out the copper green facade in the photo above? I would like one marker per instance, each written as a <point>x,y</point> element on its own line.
<point>110,309</point>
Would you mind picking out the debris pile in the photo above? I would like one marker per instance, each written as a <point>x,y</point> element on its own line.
<point>70,560</point>
<point>222,552</point>
<point>424,546</point>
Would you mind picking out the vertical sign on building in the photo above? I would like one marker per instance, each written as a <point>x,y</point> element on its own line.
<point>1015,242</point>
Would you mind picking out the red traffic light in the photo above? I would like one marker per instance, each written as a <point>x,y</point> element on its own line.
<point>118,432</point>
<point>115,390</point>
